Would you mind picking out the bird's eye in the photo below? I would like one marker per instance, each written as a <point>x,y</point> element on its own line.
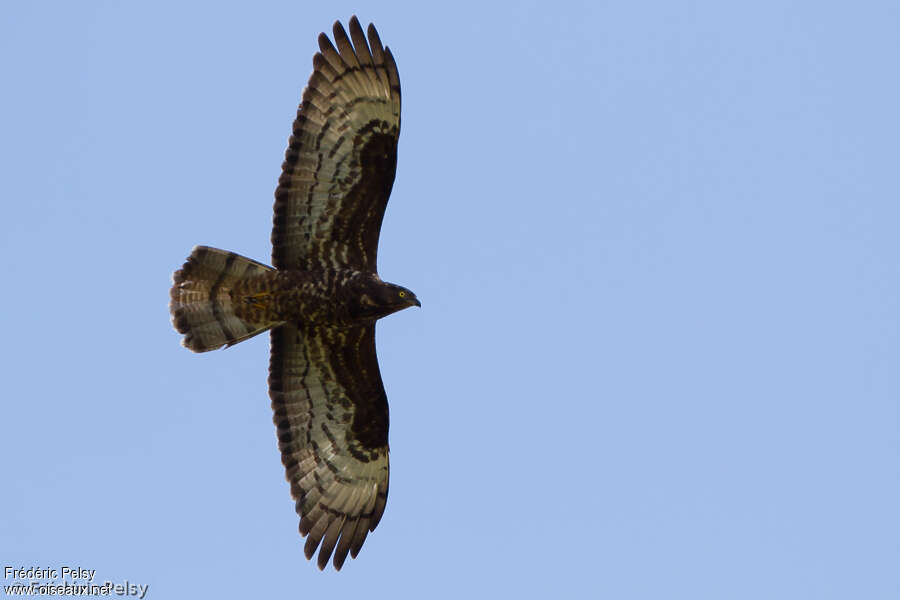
<point>403,294</point>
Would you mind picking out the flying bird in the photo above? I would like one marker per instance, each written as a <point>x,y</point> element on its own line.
<point>322,296</point>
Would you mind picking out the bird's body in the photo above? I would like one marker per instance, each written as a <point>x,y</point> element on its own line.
<point>323,295</point>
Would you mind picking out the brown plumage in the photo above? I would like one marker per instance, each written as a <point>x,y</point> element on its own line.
<point>322,297</point>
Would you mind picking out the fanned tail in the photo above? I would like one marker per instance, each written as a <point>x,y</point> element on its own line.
<point>201,304</point>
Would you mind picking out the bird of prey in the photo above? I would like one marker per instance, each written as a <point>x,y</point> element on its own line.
<point>321,298</point>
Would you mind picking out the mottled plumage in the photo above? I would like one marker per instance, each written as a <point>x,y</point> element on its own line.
<point>323,296</point>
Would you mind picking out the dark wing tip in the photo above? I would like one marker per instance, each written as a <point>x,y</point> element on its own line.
<point>343,547</point>
<point>359,43</point>
<point>322,561</point>
<point>374,39</point>
<point>338,30</point>
<point>309,548</point>
<point>324,43</point>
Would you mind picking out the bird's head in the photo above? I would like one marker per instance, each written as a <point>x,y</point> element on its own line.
<point>401,297</point>
<point>376,299</point>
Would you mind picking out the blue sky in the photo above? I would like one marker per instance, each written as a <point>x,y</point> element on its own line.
<point>657,249</point>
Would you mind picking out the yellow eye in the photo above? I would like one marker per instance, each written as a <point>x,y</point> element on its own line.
<point>403,294</point>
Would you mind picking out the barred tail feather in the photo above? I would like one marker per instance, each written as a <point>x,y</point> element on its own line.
<point>201,300</point>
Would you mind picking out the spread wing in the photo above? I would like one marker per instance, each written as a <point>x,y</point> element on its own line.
<point>332,418</point>
<point>340,163</point>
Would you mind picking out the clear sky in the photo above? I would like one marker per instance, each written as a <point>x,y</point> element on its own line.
<point>657,249</point>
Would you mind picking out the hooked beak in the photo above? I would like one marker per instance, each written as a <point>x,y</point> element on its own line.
<point>417,303</point>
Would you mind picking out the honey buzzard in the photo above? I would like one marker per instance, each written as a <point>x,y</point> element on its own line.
<point>323,296</point>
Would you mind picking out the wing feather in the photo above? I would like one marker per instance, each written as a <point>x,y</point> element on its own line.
<point>343,547</point>
<point>331,415</point>
<point>341,159</point>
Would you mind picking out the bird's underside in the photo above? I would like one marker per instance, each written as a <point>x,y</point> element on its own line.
<point>322,296</point>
